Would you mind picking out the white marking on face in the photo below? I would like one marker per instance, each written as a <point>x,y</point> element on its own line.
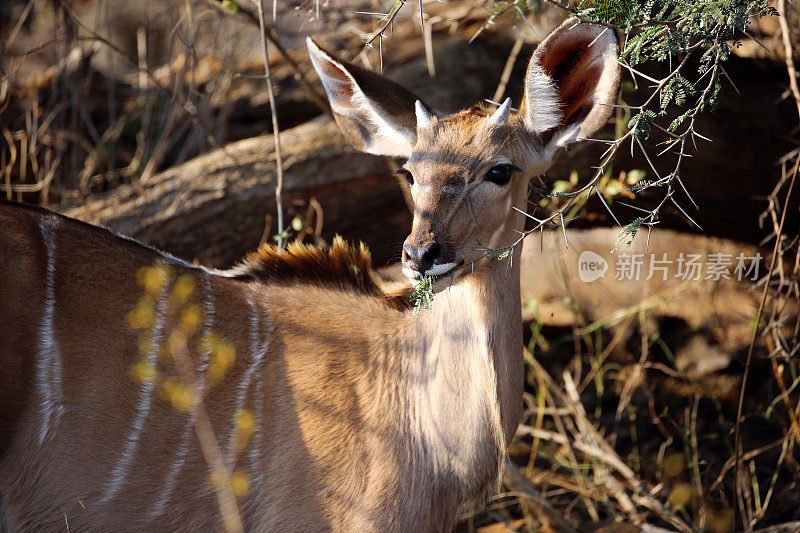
<point>435,270</point>
<point>438,270</point>
<point>48,368</point>
<point>493,240</point>
<point>123,463</point>
<point>411,274</point>
<point>186,436</point>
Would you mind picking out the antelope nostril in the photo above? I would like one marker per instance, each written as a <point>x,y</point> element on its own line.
<point>430,255</point>
<point>421,258</point>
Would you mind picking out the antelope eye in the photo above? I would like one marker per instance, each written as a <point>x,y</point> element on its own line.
<point>500,174</point>
<point>406,175</point>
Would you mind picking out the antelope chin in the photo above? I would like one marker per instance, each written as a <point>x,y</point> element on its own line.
<point>441,270</point>
<point>443,275</point>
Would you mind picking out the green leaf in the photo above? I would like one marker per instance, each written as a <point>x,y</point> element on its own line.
<point>231,6</point>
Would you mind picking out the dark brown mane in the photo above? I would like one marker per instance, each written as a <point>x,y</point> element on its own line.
<point>341,266</point>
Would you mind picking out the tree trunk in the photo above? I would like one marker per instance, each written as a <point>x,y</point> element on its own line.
<point>213,209</point>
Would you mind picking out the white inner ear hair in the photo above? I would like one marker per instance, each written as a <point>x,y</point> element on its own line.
<point>541,97</point>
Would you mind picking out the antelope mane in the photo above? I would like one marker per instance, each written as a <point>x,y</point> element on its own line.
<point>341,266</point>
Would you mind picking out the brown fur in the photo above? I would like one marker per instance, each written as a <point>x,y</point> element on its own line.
<point>340,267</point>
<point>329,397</point>
<point>366,418</point>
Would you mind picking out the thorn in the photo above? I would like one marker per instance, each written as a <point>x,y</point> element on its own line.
<point>680,181</point>
<point>360,39</point>
<point>633,207</point>
<point>648,158</point>
<point>665,150</point>
<point>498,104</point>
<point>684,212</point>
<point>694,132</point>
<point>599,195</point>
<point>606,141</point>
<point>598,36</point>
<point>564,230</point>
<point>527,23</point>
<point>528,215</point>
<point>645,76</point>
<point>735,88</point>
<point>622,106</point>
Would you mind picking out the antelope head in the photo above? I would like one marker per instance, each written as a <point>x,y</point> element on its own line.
<point>470,170</point>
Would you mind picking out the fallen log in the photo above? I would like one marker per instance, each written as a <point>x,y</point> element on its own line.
<point>213,208</point>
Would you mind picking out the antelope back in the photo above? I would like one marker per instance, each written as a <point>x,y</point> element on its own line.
<point>96,423</point>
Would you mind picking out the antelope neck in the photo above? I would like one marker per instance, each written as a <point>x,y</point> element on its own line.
<point>468,368</point>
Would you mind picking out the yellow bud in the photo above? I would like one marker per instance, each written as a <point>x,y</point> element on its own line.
<point>181,397</point>
<point>191,316</point>
<point>143,315</point>
<point>240,483</point>
<point>183,289</point>
<point>673,465</point>
<point>144,372</point>
<point>680,495</point>
<point>722,521</point>
<point>221,360</point>
<point>245,423</point>
<point>153,278</point>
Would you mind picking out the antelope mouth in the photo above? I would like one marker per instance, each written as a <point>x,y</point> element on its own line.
<point>436,271</point>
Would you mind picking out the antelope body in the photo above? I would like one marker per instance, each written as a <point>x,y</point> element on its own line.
<point>366,418</point>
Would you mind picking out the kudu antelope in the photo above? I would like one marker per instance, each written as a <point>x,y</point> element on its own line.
<point>366,418</point>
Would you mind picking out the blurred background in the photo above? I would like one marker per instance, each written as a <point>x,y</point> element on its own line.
<point>152,118</point>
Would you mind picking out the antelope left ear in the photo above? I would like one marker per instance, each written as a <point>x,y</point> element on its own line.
<point>572,78</point>
<point>375,114</point>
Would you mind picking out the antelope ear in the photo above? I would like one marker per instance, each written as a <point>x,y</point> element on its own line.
<point>374,113</point>
<point>572,77</point>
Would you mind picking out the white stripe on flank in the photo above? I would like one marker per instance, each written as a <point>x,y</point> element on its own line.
<point>120,470</point>
<point>186,436</point>
<point>48,367</point>
<point>259,349</point>
<point>256,446</point>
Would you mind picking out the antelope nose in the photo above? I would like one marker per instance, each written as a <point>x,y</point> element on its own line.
<point>420,258</point>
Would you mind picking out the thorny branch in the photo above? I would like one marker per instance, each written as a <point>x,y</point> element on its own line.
<point>672,89</point>
<point>276,134</point>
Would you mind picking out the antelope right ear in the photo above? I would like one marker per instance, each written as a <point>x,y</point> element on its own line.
<point>571,83</point>
<point>374,113</point>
